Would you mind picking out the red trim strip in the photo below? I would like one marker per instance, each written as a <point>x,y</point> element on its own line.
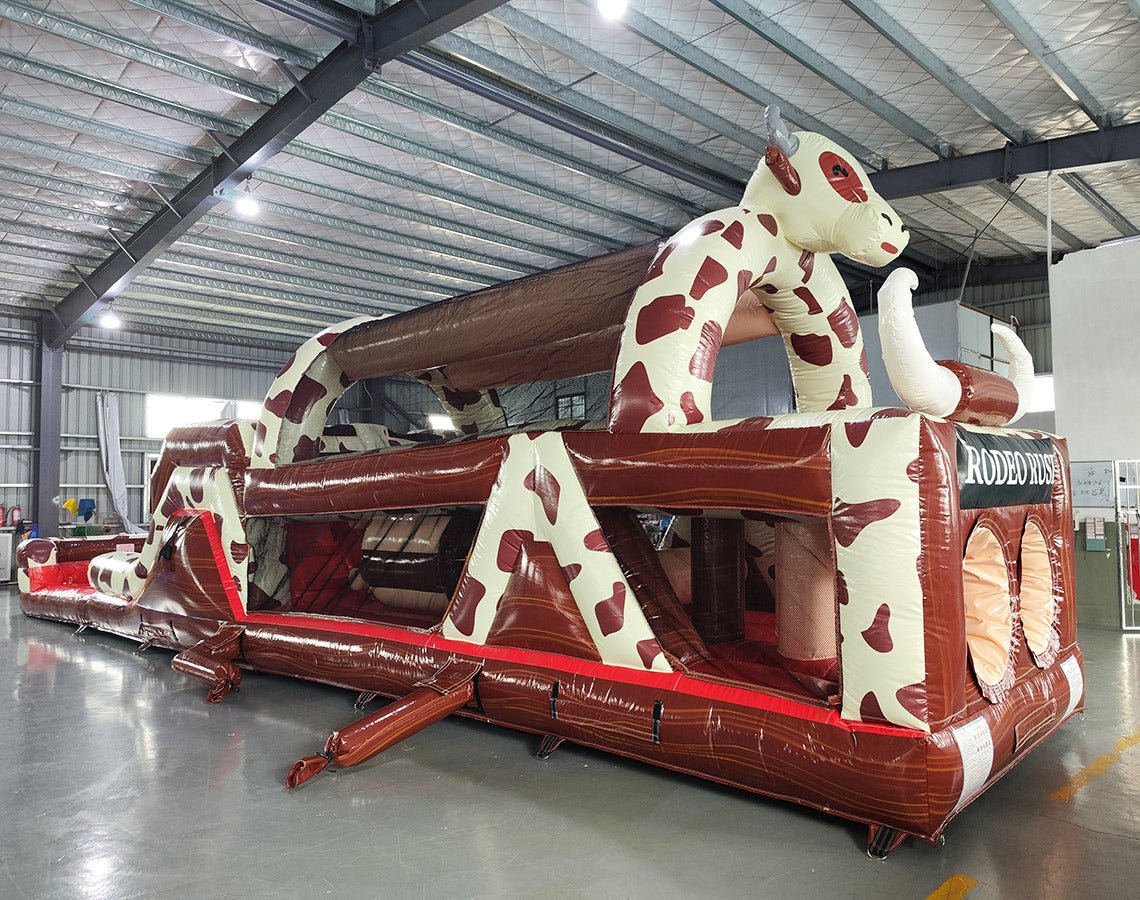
<point>669,681</point>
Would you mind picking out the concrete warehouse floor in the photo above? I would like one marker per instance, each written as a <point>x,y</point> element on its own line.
<point>116,780</point>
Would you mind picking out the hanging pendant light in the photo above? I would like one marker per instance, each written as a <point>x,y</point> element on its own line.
<point>247,205</point>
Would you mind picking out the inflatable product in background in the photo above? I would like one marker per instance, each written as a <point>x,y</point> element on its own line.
<point>868,611</point>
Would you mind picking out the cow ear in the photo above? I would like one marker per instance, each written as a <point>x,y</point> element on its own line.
<point>782,168</point>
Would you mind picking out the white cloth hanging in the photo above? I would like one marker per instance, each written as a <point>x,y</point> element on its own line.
<point>111,455</point>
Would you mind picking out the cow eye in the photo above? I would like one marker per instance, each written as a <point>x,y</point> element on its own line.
<point>843,177</point>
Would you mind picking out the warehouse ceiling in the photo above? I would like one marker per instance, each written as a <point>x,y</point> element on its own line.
<point>537,134</point>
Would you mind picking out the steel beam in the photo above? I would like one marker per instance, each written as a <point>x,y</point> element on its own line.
<point>246,37</point>
<point>584,118</point>
<point>708,64</point>
<point>542,33</point>
<point>1031,212</point>
<point>816,62</point>
<point>158,323</point>
<point>1089,148</point>
<point>1093,198</point>
<point>94,87</point>
<point>244,248</point>
<point>882,21</point>
<point>768,29</point>
<point>81,160</point>
<point>385,36</point>
<point>879,19</point>
<point>145,205</point>
<point>980,225</point>
<point>806,56</point>
<point>287,53</point>
<point>120,46</point>
<point>49,428</point>
<point>319,15</point>
<point>96,128</point>
<point>420,150</point>
<point>249,295</point>
<point>322,285</point>
<point>276,327</point>
<point>53,74</point>
<point>1049,60</point>
<point>569,121</point>
<point>458,119</point>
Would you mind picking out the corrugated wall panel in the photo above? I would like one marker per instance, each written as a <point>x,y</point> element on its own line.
<point>131,365</point>
<point>144,365</point>
<point>17,402</point>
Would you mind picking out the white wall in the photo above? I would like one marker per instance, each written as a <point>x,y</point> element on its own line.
<point>1096,350</point>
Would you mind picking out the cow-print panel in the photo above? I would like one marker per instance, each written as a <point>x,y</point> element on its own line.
<point>299,400</point>
<point>472,412</point>
<point>876,527</point>
<point>124,574</point>
<point>538,497</point>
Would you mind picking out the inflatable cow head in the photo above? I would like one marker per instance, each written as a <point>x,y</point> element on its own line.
<point>823,198</point>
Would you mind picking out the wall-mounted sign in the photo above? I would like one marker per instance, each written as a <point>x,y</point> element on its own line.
<point>1093,484</point>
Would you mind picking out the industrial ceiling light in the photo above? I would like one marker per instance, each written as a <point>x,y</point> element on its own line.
<point>612,9</point>
<point>109,319</point>
<point>246,205</point>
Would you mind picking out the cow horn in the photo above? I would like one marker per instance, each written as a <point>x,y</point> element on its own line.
<point>1020,366</point>
<point>778,134</point>
<point>920,382</point>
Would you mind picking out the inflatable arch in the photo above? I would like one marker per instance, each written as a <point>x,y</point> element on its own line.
<point>868,611</point>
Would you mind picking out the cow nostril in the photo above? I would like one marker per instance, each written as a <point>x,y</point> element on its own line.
<point>890,221</point>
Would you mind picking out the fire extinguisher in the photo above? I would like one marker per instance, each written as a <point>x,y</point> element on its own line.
<point>16,517</point>
<point>2,521</point>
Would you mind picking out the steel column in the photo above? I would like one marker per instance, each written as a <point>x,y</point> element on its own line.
<point>49,429</point>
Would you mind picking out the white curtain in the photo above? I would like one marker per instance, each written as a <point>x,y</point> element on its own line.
<point>111,454</point>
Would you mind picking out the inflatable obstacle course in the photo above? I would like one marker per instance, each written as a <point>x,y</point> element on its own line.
<point>867,611</point>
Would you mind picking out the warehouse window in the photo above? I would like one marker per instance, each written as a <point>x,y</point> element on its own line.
<point>166,411</point>
<point>571,406</point>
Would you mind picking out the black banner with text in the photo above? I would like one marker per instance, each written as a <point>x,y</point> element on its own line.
<point>1001,470</point>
